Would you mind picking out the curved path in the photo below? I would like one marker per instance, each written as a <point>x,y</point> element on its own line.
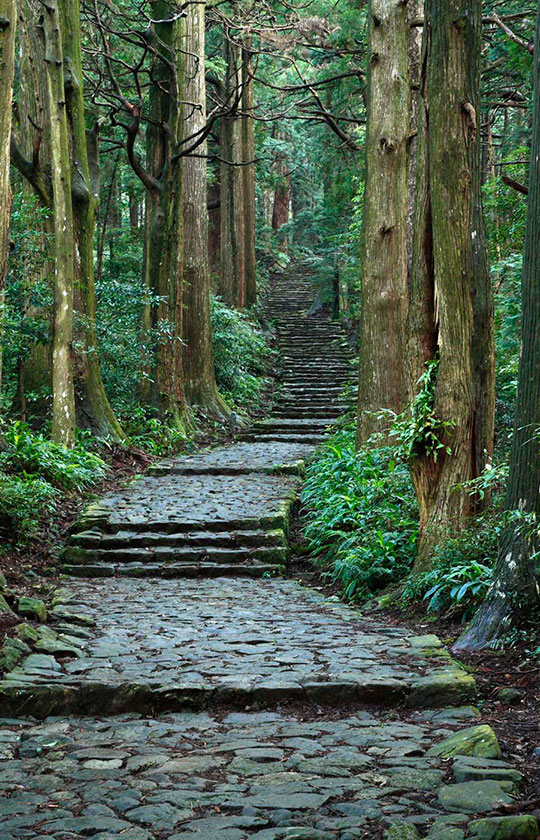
<point>187,689</point>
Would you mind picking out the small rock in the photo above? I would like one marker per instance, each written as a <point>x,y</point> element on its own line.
<point>510,696</point>
<point>33,608</point>
<point>5,609</point>
<point>27,633</point>
<point>479,741</point>
<point>11,653</point>
<point>505,828</point>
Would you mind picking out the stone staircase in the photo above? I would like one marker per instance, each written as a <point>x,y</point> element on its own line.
<point>226,511</point>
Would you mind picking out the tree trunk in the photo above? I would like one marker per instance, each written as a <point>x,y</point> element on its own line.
<point>198,364</point>
<point>94,404</point>
<point>282,195</point>
<point>8,22</point>
<point>233,263</point>
<point>451,310</point>
<point>515,586</point>
<point>163,223</point>
<point>63,415</point>
<point>382,383</point>
<point>34,143</point>
<point>248,171</point>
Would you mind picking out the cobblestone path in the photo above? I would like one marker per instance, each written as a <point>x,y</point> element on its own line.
<point>189,690</point>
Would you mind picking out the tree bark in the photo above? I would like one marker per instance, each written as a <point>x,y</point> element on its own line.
<point>94,404</point>
<point>248,171</point>
<point>232,286</point>
<point>63,413</point>
<point>8,23</point>
<point>382,383</point>
<point>515,586</point>
<point>451,309</point>
<point>164,222</point>
<point>198,363</point>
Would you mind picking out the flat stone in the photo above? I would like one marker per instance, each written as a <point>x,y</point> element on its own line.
<point>505,828</point>
<point>475,797</point>
<point>401,831</point>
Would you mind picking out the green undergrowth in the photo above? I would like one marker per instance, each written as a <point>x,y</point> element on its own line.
<point>34,474</point>
<point>242,356</point>
<point>360,521</point>
<point>360,515</point>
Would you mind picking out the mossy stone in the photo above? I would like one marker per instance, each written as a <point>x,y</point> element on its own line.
<point>11,653</point>
<point>449,687</point>
<point>505,828</point>
<point>32,608</point>
<point>476,797</point>
<point>27,633</point>
<point>402,831</point>
<point>5,609</point>
<point>3,581</point>
<point>479,741</point>
<point>510,696</point>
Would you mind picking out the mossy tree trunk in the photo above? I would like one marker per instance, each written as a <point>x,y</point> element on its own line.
<point>450,307</point>
<point>382,380</point>
<point>164,219</point>
<point>32,121</point>
<point>248,171</point>
<point>197,358</point>
<point>94,405</point>
<point>516,586</point>
<point>63,412</point>
<point>232,285</point>
<point>8,23</point>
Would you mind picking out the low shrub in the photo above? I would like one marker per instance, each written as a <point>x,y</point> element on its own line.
<point>360,515</point>
<point>34,455</point>
<point>24,501</point>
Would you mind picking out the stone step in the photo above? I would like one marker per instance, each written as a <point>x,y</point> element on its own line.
<point>272,437</point>
<point>165,554</point>
<point>176,570</point>
<point>203,539</point>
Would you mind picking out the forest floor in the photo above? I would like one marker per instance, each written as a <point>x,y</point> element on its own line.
<point>186,687</point>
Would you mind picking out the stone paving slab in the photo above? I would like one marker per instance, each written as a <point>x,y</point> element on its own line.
<point>185,500</point>
<point>243,776</point>
<point>240,457</point>
<point>172,644</point>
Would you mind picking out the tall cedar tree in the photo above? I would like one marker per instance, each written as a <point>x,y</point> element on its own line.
<point>162,178</point>
<point>450,309</point>
<point>63,410</point>
<point>516,586</point>
<point>198,363</point>
<point>382,382</point>
<point>8,20</point>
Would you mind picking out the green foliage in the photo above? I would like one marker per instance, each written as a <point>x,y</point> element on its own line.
<point>360,514</point>
<point>34,455</point>
<point>33,472</point>
<point>241,356</point>
<point>24,501</point>
<point>463,568</point>
<point>151,434</point>
<point>418,430</point>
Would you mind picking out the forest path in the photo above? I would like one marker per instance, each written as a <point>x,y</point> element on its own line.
<point>203,696</point>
